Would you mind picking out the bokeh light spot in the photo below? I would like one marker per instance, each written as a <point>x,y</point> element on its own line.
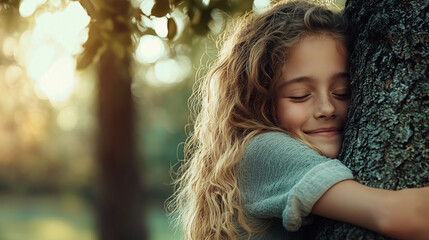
<point>160,26</point>
<point>67,119</point>
<point>206,2</point>
<point>40,60</point>
<point>55,40</point>
<point>166,71</point>
<point>10,45</point>
<point>150,49</point>
<point>146,6</point>
<point>27,7</point>
<point>13,75</point>
<point>261,5</point>
<point>58,81</point>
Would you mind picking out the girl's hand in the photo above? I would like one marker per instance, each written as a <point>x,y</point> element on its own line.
<point>407,214</point>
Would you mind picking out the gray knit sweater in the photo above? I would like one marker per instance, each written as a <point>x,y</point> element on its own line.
<point>280,180</point>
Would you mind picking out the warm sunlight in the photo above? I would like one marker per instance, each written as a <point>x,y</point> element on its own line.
<point>261,5</point>
<point>150,49</point>
<point>160,26</point>
<point>206,2</point>
<point>55,40</point>
<point>27,7</point>
<point>169,76</point>
<point>58,82</point>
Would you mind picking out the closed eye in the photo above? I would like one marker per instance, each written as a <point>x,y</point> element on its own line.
<point>297,98</point>
<point>343,95</point>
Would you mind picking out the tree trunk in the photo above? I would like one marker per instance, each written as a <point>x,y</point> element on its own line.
<point>120,212</point>
<point>387,138</point>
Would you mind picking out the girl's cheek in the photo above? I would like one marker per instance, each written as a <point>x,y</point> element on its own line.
<point>344,109</point>
<point>291,115</point>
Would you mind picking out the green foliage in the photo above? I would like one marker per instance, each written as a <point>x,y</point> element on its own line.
<point>104,22</point>
<point>172,28</point>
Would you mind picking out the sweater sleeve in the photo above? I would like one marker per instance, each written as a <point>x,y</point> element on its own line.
<point>280,177</point>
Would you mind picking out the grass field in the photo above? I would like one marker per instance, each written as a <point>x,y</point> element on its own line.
<point>66,217</point>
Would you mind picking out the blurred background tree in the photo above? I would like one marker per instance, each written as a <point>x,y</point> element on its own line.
<point>93,104</point>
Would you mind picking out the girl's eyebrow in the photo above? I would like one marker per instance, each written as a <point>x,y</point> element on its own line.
<point>295,80</point>
<point>340,75</point>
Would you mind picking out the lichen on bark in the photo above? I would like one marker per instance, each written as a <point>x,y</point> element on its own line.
<point>386,142</point>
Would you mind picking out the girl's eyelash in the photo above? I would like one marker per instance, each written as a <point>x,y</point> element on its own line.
<point>299,98</point>
<point>343,95</point>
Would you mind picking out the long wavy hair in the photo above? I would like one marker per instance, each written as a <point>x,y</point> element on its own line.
<point>232,104</point>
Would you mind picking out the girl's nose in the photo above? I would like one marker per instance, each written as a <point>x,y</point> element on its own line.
<point>324,108</point>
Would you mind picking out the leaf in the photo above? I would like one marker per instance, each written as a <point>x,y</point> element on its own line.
<point>200,19</point>
<point>172,28</point>
<point>161,8</point>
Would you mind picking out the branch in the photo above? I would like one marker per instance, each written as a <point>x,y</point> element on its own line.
<point>89,7</point>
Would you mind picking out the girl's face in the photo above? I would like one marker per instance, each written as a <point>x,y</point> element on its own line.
<point>313,92</point>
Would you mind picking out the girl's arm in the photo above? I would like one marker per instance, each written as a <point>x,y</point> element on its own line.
<point>402,214</point>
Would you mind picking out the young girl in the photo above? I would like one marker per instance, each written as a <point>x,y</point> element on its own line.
<point>270,121</point>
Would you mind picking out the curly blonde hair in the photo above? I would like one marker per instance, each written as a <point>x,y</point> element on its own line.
<point>233,103</point>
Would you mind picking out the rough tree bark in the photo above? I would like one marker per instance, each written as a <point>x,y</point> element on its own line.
<point>387,139</point>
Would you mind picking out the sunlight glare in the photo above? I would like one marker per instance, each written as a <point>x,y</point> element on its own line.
<point>150,49</point>
<point>216,25</point>
<point>10,46</point>
<point>160,26</point>
<point>206,2</point>
<point>67,118</point>
<point>12,75</point>
<point>40,60</point>
<point>27,7</point>
<point>56,38</point>
<point>146,6</point>
<point>261,5</point>
<point>58,82</point>
<point>169,71</point>
<point>64,27</point>
<point>166,71</point>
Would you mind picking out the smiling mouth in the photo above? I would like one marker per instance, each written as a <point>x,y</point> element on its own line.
<point>325,132</point>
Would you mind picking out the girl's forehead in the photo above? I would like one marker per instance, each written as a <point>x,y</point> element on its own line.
<point>320,38</point>
<point>315,44</point>
<point>316,56</point>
